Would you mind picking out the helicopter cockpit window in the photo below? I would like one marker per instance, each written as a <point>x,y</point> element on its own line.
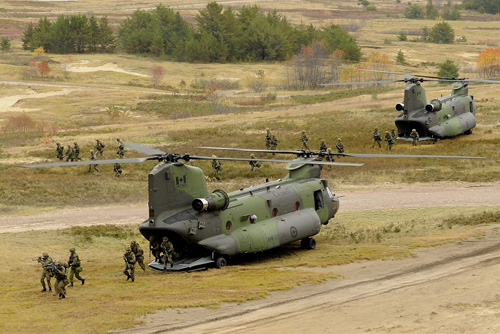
<point>296,206</point>
<point>229,225</point>
<point>318,200</point>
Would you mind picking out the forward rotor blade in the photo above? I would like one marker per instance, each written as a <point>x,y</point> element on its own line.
<point>89,162</point>
<point>299,152</point>
<point>360,83</point>
<point>362,155</point>
<point>144,149</point>
<point>308,161</point>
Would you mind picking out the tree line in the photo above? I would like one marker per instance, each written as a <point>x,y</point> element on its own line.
<point>220,35</point>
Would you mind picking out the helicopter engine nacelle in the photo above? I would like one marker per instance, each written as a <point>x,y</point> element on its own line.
<point>218,200</point>
<point>400,106</point>
<point>434,105</point>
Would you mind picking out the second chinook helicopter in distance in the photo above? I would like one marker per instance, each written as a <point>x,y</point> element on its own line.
<point>206,229</point>
<point>443,117</point>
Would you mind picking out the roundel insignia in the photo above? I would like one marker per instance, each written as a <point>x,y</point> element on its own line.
<point>293,231</point>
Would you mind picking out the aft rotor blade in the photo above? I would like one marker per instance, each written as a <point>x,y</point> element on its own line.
<point>362,155</point>
<point>144,149</point>
<point>89,162</point>
<point>299,152</point>
<point>300,161</point>
<point>361,83</point>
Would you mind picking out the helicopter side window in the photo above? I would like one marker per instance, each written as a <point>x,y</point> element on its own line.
<point>318,200</point>
<point>229,225</point>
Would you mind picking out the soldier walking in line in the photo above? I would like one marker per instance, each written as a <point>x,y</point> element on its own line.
<point>76,149</point>
<point>329,155</point>
<point>120,148</point>
<point>376,138</point>
<point>254,164</point>
<point>129,269</point>
<point>304,140</point>
<point>70,154</point>
<point>45,260</point>
<point>60,272</point>
<point>268,139</point>
<point>394,135</point>
<point>322,146</point>
<point>59,151</point>
<point>75,267</point>
<point>340,146</point>
<point>92,158</point>
<point>139,254</point>
<point>117,168</point>
<point>388,141</point>
<point>99,147</point>
<point>414,136</point>
<point>217,167</point>
<point>168,252</point>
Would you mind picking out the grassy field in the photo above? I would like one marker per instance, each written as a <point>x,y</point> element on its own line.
<point>178,118</point>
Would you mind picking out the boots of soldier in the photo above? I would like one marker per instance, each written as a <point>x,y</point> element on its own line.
<point>128,277</point>
<point>60,296</point>
<point>83,281</point>
<point>43,290</point>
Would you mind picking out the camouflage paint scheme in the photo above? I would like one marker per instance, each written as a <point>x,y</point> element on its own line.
<point>245,221</point>
<point>447,116</point>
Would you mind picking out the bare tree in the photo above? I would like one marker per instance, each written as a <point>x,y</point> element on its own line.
<point>157,74</point>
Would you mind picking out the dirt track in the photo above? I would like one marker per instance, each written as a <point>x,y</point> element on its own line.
<point>448,289</point>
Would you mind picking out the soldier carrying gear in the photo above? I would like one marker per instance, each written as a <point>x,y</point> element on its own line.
<point>168,252</point>
<point>274,143</point>
<point>75,267</point>
<point>60,272</point>
<point>414,136</point>
<point>46,261</point>
<point>388,141</point>
<point>268,139</point>
<point>254,164</point>
<point>154,247</point>
<point>139,254</point>
<point>340,146</point>
<point>304,140</point>
<point>59,151</point>
<point>120,148</point>
<point>376,138</point>
<point>322,146</point>
<point>329,155</point>
<point>117,168</point>
<point>217,167</point>
<point>70,154</point>
<point>393,135</point>
<point>129,269</point>
<point>76,149</point>
<point>99,147</point>
<point>92,158</point>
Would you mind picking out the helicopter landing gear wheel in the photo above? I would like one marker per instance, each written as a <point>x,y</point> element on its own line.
<point>308,243</point>
<point>468,132</point>
<point>220,263</point>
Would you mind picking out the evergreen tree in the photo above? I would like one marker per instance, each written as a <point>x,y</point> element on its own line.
<point>442,33</point>
<point>337,38</point>
<point>448,69</point>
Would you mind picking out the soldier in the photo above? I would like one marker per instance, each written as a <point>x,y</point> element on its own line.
<point>60,272</point>
<point>76,149</point>
<point>322,146</point>
<point>117,168</point>
<point>139,254</point>
<point>59,151</point>
<point>217,167</point>
<point>254,164</point>
<point>154,247</point>
<point>414,136</point>
<point>388,141</point>
<point>394,135</point>
<point>120,148</point>
<point>99,147</point>
<point>329,155</point>
<point>45,260</point>
<point>70,154</point>
<point>268,139</point>
<point>376,138</point>
<point>340,146</point>
<point>129,268</point>
<point>92,158</point>
<point>274,143</point>
<point>168,252</point>
<point>304,140</point>
<point>75,267</point>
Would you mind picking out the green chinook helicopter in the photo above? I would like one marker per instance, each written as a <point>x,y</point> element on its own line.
<point>443,117</point>
<point>206,229</point>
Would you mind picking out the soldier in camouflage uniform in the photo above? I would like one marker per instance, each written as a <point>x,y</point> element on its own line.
<point>70,154</point>
<point>117,168</point>
<point>414,136</point>
<point>304,140</point>
<point>274,143</point>
<point>322,146</point>
<point>99,147</point>
<point>340,146</point>
<point>329,155</point>
<point>388,141</point>
<point>45,260</point>
<point>60,273</point>
<point>217,167</point>
<point>139,254</point>
<point>168,252</point>
<point>394,135</point>
<point>76,149</point>
<point>129,269</point>
<point>59,151</point>
<point>92,158</point>
<point>75,267</point>
<point>254,164</point>
<point>120,148</point>
<point>376,138</point>
<point>268,139</point>
<point>154,247</point>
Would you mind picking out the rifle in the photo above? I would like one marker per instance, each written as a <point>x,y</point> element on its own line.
<point>37,259</point>
<point>126,262</point>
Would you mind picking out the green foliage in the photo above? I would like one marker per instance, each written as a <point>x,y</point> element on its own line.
<point>483,6</point>
<point>442,33</point>
<point>486,217</point>
<point>431,12</point>
<point>402,36</point>
<point>400,58</point>
<point>90,233</point>
<point>5,44</point>
<point>337,38</point>
<point>451,14</point>
<point>448,69</point>
<point>414,11</point>
<point>387,41</point>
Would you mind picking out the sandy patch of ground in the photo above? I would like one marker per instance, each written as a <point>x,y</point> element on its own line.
<point>8,103</point>
<point>106,67</point>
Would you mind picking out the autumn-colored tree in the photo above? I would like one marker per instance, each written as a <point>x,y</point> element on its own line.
<point>39,52</point>
<point>21,123</point>
<point>157,73</point>
<point>378,62</point>
<point>488,62</point>
<point>43,69</point>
